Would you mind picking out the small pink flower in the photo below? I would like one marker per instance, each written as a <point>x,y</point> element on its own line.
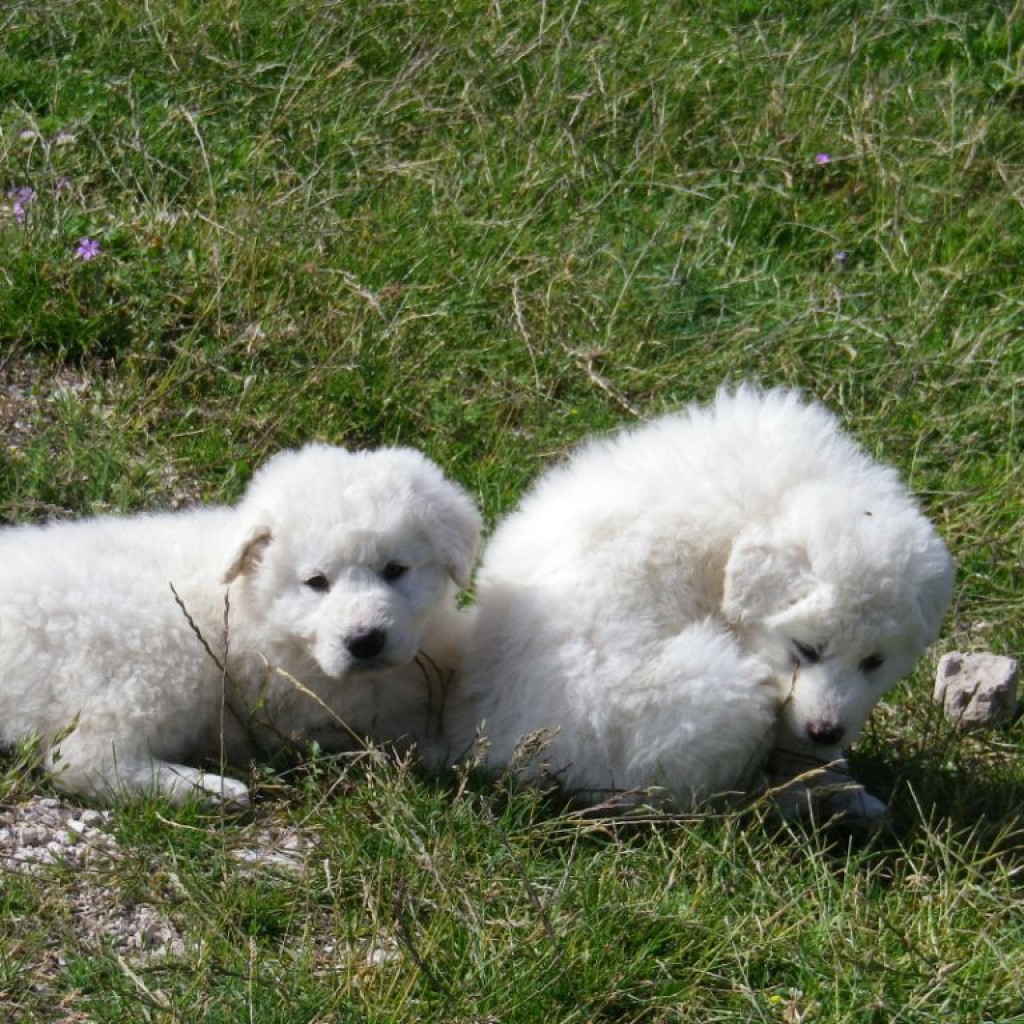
<point>822,158</point>
<point>87,249</point>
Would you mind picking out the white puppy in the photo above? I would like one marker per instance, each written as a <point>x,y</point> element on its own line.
<point>679,599</point>
<point>320,608</point>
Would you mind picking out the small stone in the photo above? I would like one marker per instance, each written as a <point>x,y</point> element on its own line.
<point>977,690</point>
<point>32,835</point>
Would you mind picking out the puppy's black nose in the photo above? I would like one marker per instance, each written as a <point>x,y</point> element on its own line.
<point>367,644</point>
<point>825,734</point>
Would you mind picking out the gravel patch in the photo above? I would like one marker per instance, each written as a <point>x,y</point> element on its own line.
<point>27,395</point>
<point>276,849</point>
<point>46,831</point>
<point>44,837</point>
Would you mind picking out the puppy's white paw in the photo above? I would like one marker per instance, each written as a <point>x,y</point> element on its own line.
<point>851,804</point>
<point>181,782</point>
<point>223,790</point>
<point>808,789</point>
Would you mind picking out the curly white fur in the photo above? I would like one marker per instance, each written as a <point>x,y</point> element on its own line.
<point>337,570</point>
<point>679,598</point>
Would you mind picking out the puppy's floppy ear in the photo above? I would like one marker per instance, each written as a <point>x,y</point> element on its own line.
<point>442,510</point>
<point>763,579</point>
<point>460,538</point>
<point>250,553</point>
<point>455,528</point>
<point>932,575</point>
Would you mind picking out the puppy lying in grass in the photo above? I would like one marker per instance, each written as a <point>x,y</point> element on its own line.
<point>678,599</point>
<point>143,650</point>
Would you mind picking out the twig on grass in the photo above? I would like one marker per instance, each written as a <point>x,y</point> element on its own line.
<point>195,629</point>
<point>232,700</point>
<point>406,937</point>
<point>531,892</point>
<point>438,681</point>
<point>157,1000</point>
<point>585,361</point>
<point>228,689</point>
<point>224,678</point>
<point>316,698</point>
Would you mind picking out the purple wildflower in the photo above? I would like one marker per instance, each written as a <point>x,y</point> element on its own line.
<point>822,158</point>
<point>87,249</point>
<point>21,198</point>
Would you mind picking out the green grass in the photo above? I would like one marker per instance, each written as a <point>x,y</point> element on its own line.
<point>488,230</point>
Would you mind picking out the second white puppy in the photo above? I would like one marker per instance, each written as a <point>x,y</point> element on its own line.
<point>680,598</point>
<point>337,567</point>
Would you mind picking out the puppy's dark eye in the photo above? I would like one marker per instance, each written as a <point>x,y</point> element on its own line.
<point>872,662</point>
<point>318,582</point>
<point>393,571</point>
<point>806,653</point>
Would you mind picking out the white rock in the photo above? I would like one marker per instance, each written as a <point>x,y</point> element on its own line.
<point>977,689</point>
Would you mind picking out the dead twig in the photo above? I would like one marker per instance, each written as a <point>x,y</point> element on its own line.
<point>406,938</point>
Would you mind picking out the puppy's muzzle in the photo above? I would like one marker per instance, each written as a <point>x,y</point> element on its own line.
<point>825,733</point>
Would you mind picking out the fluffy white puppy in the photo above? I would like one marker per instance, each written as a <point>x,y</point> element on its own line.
<point>679,599</point>
<point>320,608</point>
